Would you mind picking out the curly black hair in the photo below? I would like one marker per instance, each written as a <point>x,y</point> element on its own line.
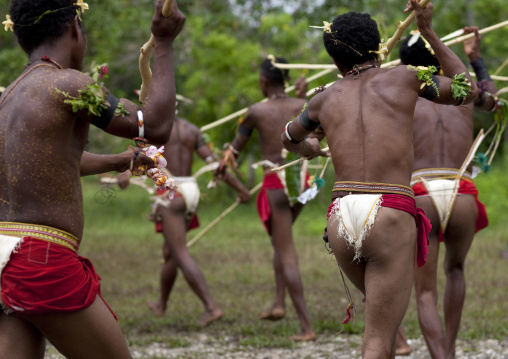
<point>416,54</point>
<point>274,74</point>
<point>37,21</point>
<point>351,38</point>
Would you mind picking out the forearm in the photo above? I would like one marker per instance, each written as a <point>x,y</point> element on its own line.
<point>92,164</point>
<point>159,105</point>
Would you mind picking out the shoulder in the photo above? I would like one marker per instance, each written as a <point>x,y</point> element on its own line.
<point>71,81</point>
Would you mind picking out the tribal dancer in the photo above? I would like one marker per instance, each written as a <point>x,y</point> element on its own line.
<point>443,137</point>
<point>375,230</point>
<point>274,207</point>
<point>175,216</point>
<point>47,289</point>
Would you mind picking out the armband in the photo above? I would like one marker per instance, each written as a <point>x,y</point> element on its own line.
<point>200,143</point>
<point>288,135</point>
<point>480,69</point>
<point>244,130</point>
<point>107,113</point>
<point>430,91</point>
<point>306,122</point>
<point>140,141</point>
<point>234,150</point>
<point>210,159</point>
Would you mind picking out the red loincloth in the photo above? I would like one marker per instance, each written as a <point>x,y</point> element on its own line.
<point>43,277</point>
<point>193,223</point>
<point>466,187</point>
<point>408,205</point>
<point>270,181</point>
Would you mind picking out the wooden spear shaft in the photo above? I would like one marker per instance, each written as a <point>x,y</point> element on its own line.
<point>244,110</point>
<point>146,54</point>
<point>220,218</point>
<point>292,163</point>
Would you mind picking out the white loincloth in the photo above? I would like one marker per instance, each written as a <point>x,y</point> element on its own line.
<point>356,215</point>
<point>443,194</point>
<point>188,188</point>
<point>8,245</point>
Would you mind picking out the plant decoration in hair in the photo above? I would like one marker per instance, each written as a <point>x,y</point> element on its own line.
<point>9,24</point>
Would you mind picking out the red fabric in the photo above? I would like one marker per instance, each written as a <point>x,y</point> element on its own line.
<point>193,223</point>
<point>43,277</point>
<point>270,181</point>
<point>465,187</point>
<point>408,204</point>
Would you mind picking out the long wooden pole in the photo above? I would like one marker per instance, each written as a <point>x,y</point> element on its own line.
<point>395,62</point>
<point>292,163</point>
<point>146,54</point>
<point>220,218</point>
<point>243,111</point>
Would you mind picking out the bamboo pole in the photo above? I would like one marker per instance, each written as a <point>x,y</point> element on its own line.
<point>146,54</point>
<point>501,67</point>
<point>292,163</point>
<point>397,62</point>
<point>244,110</point>
<point>220,218</point>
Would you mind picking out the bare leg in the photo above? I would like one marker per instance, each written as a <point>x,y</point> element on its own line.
<point>386,277</point>
<point>426,288</point>
<point>282,241</point>
<point>174,233</point>
<point>168,277</point>
<point>89,333</point>
<point>402,348</point>
<point>458,239</point>
<point>277,311</point>
<point>19,339</point>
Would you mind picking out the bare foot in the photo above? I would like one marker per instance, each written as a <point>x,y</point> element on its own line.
<point>402,348</point>
<point>156,307</point>
<point>207,317</point>
<point>273,314</point>
<point>303,337</point>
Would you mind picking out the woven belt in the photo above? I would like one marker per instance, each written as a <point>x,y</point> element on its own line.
<point>373,187</point>
<point>438,173</point>
<point>44,233</point>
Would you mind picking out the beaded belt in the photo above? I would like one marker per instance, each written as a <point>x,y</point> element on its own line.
<point>44,233</point>
<point>438,173</point>
<point>372,187</point>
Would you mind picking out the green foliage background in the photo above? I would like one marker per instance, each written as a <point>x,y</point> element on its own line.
<point>223,42</point>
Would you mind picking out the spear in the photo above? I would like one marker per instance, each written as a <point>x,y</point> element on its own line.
<point>246,109</point>
<point>396,62</point>
<point>292,163</point>
<point>221,217</point>
<point>146,54</point>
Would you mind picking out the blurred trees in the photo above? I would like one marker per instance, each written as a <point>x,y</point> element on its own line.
<point>223,42</point>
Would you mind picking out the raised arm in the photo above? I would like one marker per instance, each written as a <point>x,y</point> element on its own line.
<point>486,86</point>
<point>450,63</point>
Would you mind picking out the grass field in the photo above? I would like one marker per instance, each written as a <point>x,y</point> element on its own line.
<point>236,259</point>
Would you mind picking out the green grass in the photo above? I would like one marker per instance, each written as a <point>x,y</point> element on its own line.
<point>236,259</point>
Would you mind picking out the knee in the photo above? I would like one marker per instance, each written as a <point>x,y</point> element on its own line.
<point>454,268</point>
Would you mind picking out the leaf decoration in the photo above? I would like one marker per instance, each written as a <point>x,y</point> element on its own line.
<point>461,87</point>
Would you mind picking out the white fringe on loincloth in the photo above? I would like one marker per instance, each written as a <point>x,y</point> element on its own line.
<point>8,245</point>
<point>356,215</point>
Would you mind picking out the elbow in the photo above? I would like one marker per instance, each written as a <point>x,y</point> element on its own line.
<point>473,95</point>
<point>159,135</point>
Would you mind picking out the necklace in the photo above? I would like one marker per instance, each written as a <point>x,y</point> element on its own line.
<point>49,64</point>
<point>357,69</point>
<point>48,60</point>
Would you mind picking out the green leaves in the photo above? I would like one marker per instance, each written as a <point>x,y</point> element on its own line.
<point>293,181</point>
<point>425,74</point>
<point>461,87</point>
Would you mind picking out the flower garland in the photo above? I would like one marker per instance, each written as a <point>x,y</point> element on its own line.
<point>9,24</point>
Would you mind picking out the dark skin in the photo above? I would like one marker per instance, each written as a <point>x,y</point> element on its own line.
<point>269,119</point>
<point>41,160</point>
<point>368,121</point>
<point>179,153</point>
<point>443,136</point>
